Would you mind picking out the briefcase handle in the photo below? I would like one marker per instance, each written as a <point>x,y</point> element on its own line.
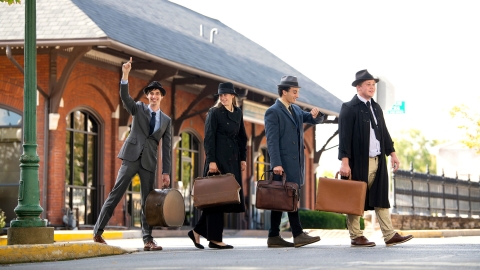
<point>214,173</point>
<point>208,174</point>
<point>349,176</point>
<point>270,179</point>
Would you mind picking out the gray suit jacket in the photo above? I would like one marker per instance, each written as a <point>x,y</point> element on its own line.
<point>139,142</point>
<point>285,139</point>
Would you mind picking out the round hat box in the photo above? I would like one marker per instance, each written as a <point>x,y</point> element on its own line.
<point>165,208</point>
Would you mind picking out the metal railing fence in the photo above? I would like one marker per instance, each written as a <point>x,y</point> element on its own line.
<point>433,195</point>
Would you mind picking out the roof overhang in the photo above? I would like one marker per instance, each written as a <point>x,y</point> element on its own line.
<point>147,56</point>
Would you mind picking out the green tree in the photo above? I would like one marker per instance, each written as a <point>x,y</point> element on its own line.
<point>11,1</point>
<point>413,147</point>
<point>470,123</point>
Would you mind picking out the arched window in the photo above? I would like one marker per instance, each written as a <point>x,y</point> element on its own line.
<point>261,218</point>
<point>187,167</point>
<point>81,173</point>
<point>262,164</point>
<point>10,152</point>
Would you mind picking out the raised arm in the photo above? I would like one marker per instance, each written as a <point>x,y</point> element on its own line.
<point>127,100</point>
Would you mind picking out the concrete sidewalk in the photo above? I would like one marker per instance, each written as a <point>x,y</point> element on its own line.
<point>65,247</point>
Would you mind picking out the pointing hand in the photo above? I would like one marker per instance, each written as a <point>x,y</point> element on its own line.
<point>127,66</point>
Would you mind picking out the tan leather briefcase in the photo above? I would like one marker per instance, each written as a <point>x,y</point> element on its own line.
<point>341,196</point>
<point>215,190</point>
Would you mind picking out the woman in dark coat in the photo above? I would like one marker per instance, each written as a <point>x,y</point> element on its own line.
<point>226,152</point>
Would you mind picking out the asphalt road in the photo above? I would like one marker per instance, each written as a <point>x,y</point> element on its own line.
<point>252,254</point>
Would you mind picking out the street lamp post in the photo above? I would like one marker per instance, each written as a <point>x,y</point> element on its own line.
<point>28,227</point>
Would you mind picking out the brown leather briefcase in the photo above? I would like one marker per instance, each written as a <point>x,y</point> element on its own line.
<point>277,195</point>
<point>341,196</point>
<point>165,208</point>
<point>215,190</point>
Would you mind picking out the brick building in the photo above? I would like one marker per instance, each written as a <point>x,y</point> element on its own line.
<point>81,123</point>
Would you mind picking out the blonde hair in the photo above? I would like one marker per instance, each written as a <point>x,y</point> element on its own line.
<point>219,104</point>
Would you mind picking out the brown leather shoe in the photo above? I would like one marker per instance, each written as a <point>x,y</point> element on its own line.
<point>151,246</point>
<point>398,239</point>
<point>278,242</point>
<point>99,239</point>
<point>304,239</point>
<point>362,241</point>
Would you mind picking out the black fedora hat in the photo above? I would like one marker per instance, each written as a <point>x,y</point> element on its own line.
<point>363,75</point>
<point>154,85</point>
<point>226,88</point>
<point>289,81</point>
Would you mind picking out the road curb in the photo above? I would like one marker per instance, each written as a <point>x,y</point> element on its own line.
<point>56,252</point>
<point>67,236</point>
<point>80,235</point>
<point>440,233</point>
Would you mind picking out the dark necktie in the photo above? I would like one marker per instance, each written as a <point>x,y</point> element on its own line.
<point>290,109</point>
<point>152,123</point>
<point>372,121</point>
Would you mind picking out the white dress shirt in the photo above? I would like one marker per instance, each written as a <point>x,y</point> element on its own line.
<point>374,149</point>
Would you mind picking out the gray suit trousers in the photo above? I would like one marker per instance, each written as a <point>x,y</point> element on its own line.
<point>124,178</point>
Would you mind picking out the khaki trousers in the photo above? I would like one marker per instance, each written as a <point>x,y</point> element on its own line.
<point>383,214</point>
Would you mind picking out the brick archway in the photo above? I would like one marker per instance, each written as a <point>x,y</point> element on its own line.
<point>12,92</point>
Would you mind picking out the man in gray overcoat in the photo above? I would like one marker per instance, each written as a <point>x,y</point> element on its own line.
<point>139,154</point>
<point>284,131</point>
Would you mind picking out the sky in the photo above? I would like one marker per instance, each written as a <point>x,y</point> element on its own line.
<point>428,50</point>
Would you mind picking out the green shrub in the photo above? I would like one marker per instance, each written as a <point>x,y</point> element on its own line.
<point>324,220</point>
<point>2,219</point>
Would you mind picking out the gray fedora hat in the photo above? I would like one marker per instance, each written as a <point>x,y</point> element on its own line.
<point>362,76</point>
<point>290,81</point>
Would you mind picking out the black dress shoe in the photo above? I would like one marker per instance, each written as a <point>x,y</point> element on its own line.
<point>213,245</point>
<point>192,236</point>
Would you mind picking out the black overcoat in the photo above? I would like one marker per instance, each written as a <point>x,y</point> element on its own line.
<point>354,140</point>
<point>226,144</point>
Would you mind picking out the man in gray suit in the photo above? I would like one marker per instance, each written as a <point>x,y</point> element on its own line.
<point>139,154</point>
<point>284,130</point>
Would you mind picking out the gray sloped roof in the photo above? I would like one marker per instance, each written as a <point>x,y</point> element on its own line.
<point>171,32</point>
<point>56,19</point>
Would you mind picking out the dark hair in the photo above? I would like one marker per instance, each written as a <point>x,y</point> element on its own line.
<point>281,88</point>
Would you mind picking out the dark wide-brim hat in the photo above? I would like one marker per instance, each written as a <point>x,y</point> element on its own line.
<point>154,85</point>
<point>289,81</point>
<point>362,76</point>
<point>226,88</point>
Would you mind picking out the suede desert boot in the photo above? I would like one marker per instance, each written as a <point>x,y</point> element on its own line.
<point>304,239</point>
<point>278,242</point>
